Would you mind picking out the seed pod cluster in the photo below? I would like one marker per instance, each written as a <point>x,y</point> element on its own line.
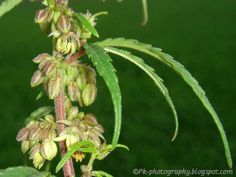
<point>37,138</point>
<point>86,128</point>
<point>48,73</point>
<point>82,88</point>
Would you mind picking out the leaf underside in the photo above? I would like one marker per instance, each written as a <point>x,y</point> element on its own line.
<point>104,67</point>
<point>180,69</point>
<point>8,5</point>
<point>151,72</point>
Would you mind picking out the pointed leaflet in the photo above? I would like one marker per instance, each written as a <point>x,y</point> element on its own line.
<point>7,5</point>
<point>87,24</point>
<point>179,68</point>
<point>102,62</point>
<point>150,71</point>
<point>82,146</point>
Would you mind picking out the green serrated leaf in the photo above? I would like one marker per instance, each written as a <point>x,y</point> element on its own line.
<point>102,62</point>
<point>39,113</point>
<point>23,172</point>
<point>87,24</point>
<point>83,146</point>
<point>8,5</point>
<point>150,71</point>
<point>179,68</point>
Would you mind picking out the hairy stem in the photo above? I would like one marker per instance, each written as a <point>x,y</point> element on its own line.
<point>60,115</point>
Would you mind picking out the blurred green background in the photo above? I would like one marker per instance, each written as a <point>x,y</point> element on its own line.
<point>201,34</point>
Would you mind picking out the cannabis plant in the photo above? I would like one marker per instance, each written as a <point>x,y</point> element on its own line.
<point>66,78</point>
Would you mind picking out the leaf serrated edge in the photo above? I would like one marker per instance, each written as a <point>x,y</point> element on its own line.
<point>149,71</point>
<point>93,52</point>
<point>180,69</point>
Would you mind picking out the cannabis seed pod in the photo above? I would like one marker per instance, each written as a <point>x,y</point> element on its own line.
<point>90,75</point>
<point>54,86</point>
<point>40,57</point>
<point>52,134</point>
<point>35,133</point>
<point>62,2</point>
<point>38,160</point>
<point>59,44</point>
<point>79,98</point>
<point>64,24</point>
<point>73,112</point>
<point>48,149</point>
<point>81,81</point>
<point>42,16</point>
<point>33,143</point>
<point>25,146</point>
<point>22,134</point>
<point>90,119</point>
<point>72,91</point>
<point>71,139</point>
<point>36,78</point>
<point>49,68</point>
<point>89,94</point>
<point>67,104</point>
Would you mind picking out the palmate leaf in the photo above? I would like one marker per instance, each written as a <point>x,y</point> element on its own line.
<point>180,69</point>
<point>7,5</point>
<point>104,67</point>
<point>150,71</point>
<point>82,146</point>
<point>23,172</point>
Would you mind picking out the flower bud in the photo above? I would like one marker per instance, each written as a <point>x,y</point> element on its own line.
<point>49,68</point>
<point>22,134</point>
<point>40,57</point>
<point>72,113</point>
<point>48,149</point>
<point>90,119</point>
<point>89,94</point>
<point>42,16</point>
<point>54,86</point>
<point>32,143</point>
<point>63,24</point>
<point>78,156</point>
<point>72,91</point>
<point>36,78</point>
<point>35,133</point>
<point>38,160</point>
<point>49,118</point>
<point>90,75</point>
<point>25,146</point>
<point>67,104</point>
<point>81,81</point>
<point>71,140</point>
<point>79,98</point>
